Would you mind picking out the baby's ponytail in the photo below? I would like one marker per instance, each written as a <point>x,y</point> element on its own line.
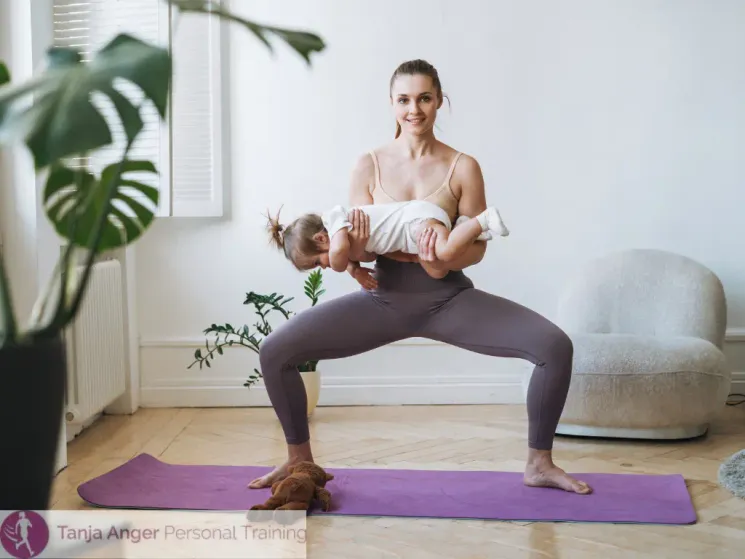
<point>275,230</point>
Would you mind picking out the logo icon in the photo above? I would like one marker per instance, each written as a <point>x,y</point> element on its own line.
<point>24,534</point>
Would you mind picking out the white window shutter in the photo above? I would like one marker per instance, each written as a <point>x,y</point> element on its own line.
<point>87,25</point>
<point>186,150</point>
<point>196,123</point>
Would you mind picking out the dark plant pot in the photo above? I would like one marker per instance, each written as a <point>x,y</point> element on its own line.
<point>32,395</point>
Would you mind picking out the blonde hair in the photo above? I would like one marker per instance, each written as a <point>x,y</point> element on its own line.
<point>296,239</point>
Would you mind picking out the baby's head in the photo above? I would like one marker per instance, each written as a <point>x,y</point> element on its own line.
<point>305,241</point>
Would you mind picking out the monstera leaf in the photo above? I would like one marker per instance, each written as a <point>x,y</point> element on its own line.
<point>76,202</point>
<point>302,42</point>
<point>62,120</point>
<point>4,79</point>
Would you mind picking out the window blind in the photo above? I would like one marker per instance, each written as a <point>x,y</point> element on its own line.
<point>196,128</point>
<point>186,148</point>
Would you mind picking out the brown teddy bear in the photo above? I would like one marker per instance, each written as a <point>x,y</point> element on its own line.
<point>306,482</point>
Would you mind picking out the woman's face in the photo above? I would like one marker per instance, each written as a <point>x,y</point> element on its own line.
<point>415,103</point>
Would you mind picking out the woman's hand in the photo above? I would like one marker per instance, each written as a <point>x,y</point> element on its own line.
<point>426,247</point>
<point>365,277</point>
<point>359,235</point>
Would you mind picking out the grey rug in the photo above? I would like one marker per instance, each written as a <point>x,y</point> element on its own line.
<point>732,474</point>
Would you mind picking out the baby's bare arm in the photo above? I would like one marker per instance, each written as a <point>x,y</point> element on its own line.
<point>339,250</point>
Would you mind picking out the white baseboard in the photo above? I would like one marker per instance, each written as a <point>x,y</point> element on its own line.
<point>354,391</point>
<point>403,373</point>
<point>361,392</point>
<point>397,374</point>
<point>738,383</point>
<point>735,335</point>
<point>735,351</point>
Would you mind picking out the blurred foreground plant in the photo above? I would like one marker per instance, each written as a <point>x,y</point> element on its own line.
<point>54,116</point>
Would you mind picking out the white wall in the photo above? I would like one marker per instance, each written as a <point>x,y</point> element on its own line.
<point>598,125</point>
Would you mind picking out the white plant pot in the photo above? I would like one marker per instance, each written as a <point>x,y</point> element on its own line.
<point>312,381</point>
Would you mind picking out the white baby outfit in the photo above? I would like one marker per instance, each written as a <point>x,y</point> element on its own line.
<point>392,226</point>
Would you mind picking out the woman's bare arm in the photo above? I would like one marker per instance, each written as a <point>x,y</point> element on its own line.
<point>402,256</point>
<point>363,176</point>
<point>469,180</point>
<point>472,203</point>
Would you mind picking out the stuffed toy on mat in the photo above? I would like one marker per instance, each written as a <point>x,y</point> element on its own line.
<point>306,482</point>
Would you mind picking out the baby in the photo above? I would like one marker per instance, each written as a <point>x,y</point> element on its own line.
<point>314,240</point>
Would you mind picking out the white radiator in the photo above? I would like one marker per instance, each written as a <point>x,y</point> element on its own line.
<point>96,345</point>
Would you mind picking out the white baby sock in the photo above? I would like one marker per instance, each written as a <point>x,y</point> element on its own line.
<point>485,236</point>
<point>490,220</point>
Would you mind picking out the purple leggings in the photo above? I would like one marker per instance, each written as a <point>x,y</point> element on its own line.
<point>409,303</point>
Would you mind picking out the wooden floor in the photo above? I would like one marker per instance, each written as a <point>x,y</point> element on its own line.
<point>441,437</point>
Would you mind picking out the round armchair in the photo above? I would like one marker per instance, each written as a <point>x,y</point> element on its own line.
<point>648,330</point>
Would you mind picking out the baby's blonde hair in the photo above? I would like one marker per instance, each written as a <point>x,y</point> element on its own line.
<point>296,239</point>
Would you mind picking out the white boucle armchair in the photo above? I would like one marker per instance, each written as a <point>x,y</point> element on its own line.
<point>648,330</point>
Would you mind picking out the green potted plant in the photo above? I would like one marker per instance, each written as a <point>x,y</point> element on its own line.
<point>52,114</point>
<point>226,336</point>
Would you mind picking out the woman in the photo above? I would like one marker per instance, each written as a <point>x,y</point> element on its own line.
<point>418,296</point>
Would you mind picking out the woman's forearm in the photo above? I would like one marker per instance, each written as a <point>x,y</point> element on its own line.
<point>402,256</point>
<point>473,255</point>
<point>352,267</point>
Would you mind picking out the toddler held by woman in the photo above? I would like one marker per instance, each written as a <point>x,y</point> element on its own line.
<point>314,240</point>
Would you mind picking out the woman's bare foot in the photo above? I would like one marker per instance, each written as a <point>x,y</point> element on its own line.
<point>295,454</point>
<point>277,474</point>
<point>542,472</point>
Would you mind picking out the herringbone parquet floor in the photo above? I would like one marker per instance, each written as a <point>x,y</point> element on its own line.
<point>435,437</point>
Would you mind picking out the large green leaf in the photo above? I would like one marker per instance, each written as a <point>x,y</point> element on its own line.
<point>63,121</point>
<point>75,200</point>
<point>4,79</point>
<point>4,73</point>
<point>303,42</point>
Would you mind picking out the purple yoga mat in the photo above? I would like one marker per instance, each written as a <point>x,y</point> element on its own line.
<point>147,483</point>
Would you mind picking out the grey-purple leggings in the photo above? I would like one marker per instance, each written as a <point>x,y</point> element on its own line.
<point>409,303</point>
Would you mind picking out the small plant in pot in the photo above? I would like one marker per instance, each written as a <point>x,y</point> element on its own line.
<point>92,211</point>
<point>222,336</point>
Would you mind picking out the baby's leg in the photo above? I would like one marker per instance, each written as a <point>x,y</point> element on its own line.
<point>441,237</point>
<point>441,232</point>
<point>450,245</point>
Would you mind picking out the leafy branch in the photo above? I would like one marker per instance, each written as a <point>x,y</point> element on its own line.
<point>225,335</point>
<point>303,42</point>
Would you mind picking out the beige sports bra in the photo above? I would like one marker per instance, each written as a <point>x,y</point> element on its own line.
<point>442,196</point>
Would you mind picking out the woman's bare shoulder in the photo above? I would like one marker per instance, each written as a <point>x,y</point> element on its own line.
<point>467,174</point>
<point>447,151</point>
<point>362,180</point>
<point>384,150</point>
<point>364,165</point>
<point>468,186</point>
<point>468,166</point>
